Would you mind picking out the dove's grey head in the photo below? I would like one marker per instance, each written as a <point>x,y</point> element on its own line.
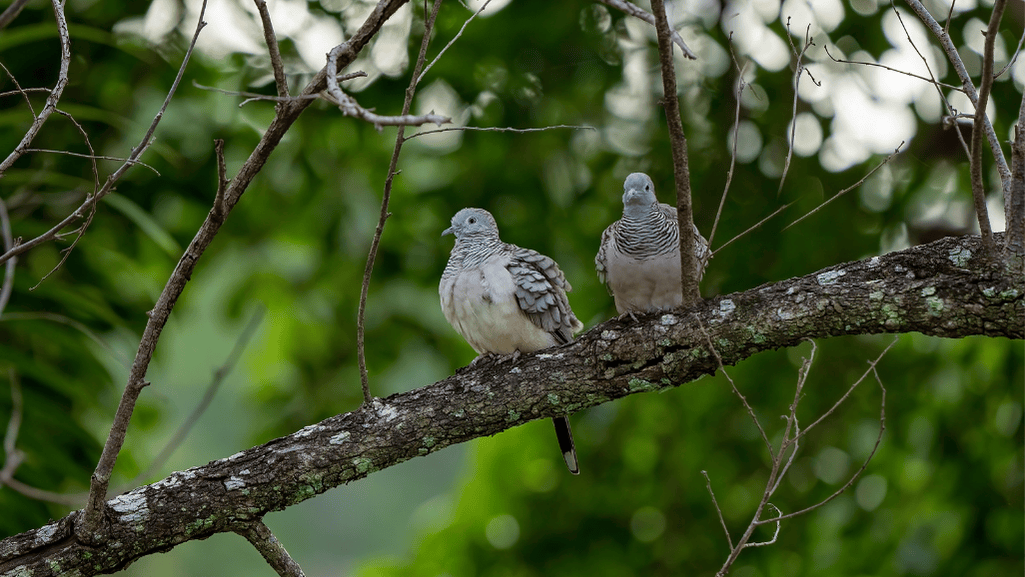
<point>472,222</point>
<point>638,194</point>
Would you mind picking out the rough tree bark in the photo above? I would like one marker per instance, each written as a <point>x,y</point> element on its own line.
<point>942,289</point>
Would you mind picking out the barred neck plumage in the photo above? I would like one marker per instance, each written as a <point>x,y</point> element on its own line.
<point>648,235</point>
<point>472,250</point>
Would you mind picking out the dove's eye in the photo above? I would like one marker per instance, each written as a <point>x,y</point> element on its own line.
<point>472,220</point>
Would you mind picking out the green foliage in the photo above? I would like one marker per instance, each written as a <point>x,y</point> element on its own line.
<point>942,496</point>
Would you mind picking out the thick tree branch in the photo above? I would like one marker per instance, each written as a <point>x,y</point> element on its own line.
<point>943,289</point>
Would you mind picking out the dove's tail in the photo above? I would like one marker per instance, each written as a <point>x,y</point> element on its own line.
<point>565,436</point>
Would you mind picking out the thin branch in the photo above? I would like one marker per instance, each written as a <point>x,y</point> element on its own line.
<point>55,94</point>
<point>966,81</point>
<point>932,81</point>
<point>752,227</point>
<point>1014,201</point>
<point>22,91</point>
<point>93,157</point>
<point>733,150</point>
<point>64,320</point>
<point>90,529</point>
<point>418,77</point>
<point>799,70</point>
<point>638,12</point>
<point>182,433</point>
<point>348,105</point>
<point>414,80</point>
<point>498,129</point>
<point>272,550</point>
<point>857,474</point>
<point>985,85</point>
<point>840,401</point>
<point>90,202</point>
<point>722,521</point>
<point>219,210</point>
<point>280,81</point>
<point>1014,58</point>
<point>736,391</point>
<point>92,151</point>
<point>12,12</point>
<point>925,61</point>
<point>848,189</point>
<point>5,230</point>
<point>689,275</point>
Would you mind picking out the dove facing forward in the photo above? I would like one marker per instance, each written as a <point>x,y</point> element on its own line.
<point>505,299</point>
<point>639,257</point>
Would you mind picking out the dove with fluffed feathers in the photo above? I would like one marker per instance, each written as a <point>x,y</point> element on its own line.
<point>505,299</point>
<point>639,256</point>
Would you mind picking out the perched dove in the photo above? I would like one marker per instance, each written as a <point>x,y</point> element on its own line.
<point>639,257</point>
<point>504,299</point>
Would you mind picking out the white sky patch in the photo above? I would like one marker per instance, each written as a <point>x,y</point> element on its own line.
<point>749,141</point>
<point>389,50</point>
<point>440,98</point>
<point>824,15</point>
<point>807,134</point>
<point>322,33</point>
<point>752,37</point>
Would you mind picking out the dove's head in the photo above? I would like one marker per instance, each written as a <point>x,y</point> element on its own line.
<point>638,193</point>
<point>472,222</point>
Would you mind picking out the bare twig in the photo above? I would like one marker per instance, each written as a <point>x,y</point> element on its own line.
<point>1014,58</point>
<point>799,71</point>
<point>272,550</point>
<point>65,320</point>
<point>741,84</point>
<point>722,521</point>
<point>985,85</point>
<point>55,93</point>
<point>854,477</point>
<point>22,91</point>
<point>848,189</point>
<point>497,129</point>
<point>419,77</point>
<point>219,211</point>
<point>939,91</point>
<point>386,196</point>
<point>92,152</point>
<point>92,157</point>
<point>272,47</point>
<point>966,82</point>
<point>208,396</point>
<point>11,12</point>
<point>681,172</point>
<point>791,437</point>
<point>348,105</point>
<point>638,12</point>
<point>932,81</point>
<point>752,227</point>
<point>90,529</point>
<point>1014,201</point>
<point>8,285</point>
<point>88,207</point>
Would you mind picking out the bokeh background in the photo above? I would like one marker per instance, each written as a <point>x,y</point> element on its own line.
<point>943,495</point>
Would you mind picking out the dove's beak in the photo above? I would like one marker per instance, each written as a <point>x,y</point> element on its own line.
<point>447,231</point>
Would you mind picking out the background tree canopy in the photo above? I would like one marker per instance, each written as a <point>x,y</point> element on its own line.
<point>942,496</point>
